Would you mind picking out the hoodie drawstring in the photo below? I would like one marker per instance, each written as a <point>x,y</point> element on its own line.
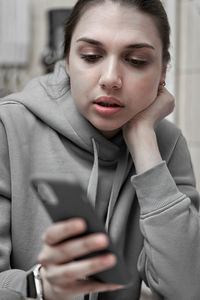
<point>93,181</point>
<point>117,183</point>
<point>92,192</point>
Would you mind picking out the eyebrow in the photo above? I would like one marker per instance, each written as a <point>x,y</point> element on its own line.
<point>131,46</point>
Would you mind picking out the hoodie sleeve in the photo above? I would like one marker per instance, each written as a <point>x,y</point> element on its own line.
<point>170,224</point>
<point>13,280</point>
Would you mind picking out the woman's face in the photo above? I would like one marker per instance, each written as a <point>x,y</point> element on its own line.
<point>115,65</point>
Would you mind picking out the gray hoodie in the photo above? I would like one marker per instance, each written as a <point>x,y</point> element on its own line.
<point>152,217</point>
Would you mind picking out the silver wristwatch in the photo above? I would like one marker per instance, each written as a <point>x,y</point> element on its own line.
<point>38,282</point>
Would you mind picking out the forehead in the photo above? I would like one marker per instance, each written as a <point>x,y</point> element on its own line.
<point>120,23</point>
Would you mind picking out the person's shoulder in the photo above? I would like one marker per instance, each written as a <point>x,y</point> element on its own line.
<point>17,101</point>
<point>47,86</point>
<point>11,104</point>
<point>168,135</point>
<point>8,102</point>
<point>13,112</point>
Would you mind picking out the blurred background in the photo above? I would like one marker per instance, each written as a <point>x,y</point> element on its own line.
<point>31,41</point>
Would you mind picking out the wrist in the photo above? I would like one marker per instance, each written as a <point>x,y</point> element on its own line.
<point>143,147</point>
<point>139,136</point>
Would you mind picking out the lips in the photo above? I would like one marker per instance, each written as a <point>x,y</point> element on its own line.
<point>106,101</point>
<point>107,106</point>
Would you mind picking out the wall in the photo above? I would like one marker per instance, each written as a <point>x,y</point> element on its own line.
<point>188,78</point>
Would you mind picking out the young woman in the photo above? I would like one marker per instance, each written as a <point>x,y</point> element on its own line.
<point>100,116</point>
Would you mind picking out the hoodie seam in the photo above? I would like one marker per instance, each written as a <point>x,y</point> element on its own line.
<point>164,208</point>
<point>7,102</point>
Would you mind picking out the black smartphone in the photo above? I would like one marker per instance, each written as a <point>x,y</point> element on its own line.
<point>65,199</point>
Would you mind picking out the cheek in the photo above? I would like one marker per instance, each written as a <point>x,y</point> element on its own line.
<point>78,86</point>
<point>82,81</point>
<point>149,88</point>
<point>144,88</point>
<point>141,93</point>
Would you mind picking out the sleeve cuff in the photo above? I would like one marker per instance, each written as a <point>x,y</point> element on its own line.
<point>14,280</point>
<point>155,188</point>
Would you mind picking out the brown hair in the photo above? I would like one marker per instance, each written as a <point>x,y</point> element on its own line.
<point>153,8</point>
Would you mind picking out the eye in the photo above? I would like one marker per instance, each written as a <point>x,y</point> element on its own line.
<point>137,63</point>
<point>91,58</point>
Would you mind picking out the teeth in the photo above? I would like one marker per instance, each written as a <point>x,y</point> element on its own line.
<point>108,104</point>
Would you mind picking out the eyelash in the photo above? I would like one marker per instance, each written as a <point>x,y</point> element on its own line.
<point>90,58</point>
<point>136,63</point>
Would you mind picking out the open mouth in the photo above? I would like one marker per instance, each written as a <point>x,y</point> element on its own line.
<point>107,105</point>
<point>104,104</point>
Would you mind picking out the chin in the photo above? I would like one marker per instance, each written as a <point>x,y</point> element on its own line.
<point>108,131</point>
<point>107,128</point>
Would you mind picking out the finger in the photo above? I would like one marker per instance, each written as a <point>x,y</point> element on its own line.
<point>72,249</point>
<point>64,274</point>
<point>63,230</point>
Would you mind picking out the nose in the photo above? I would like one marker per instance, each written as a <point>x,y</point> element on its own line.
<point>110,75</point>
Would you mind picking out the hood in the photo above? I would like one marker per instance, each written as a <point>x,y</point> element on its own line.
<point>49,98</point>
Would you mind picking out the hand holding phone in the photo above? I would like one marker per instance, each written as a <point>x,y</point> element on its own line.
<point>66,199</point>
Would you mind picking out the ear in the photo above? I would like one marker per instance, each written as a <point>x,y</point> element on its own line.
<point>163,74</point>
<point>67,65</point>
